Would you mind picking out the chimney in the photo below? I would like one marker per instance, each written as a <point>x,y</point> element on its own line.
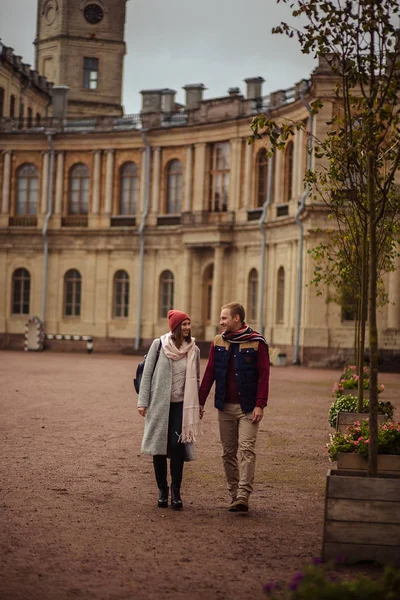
<point>151,100</point>
<point>234,91</point>
<point>167,100</point>
<point>254,87</point>
<point>194,94</point>
<point>60,101</point>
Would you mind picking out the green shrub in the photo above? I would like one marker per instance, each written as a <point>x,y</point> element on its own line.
<point>316,582</point>
<point>349,404</point>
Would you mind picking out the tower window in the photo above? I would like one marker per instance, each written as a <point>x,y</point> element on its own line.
<point>90,73</point>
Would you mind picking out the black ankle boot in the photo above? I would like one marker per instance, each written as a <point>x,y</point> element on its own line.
<point>176,500</point>
<point>163,497</point>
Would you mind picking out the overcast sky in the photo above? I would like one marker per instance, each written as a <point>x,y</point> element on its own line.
<point>174,42</point>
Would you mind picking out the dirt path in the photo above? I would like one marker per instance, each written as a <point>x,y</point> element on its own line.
<point>78,501</point>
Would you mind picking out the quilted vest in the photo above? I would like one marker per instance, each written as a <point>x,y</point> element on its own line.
<point>246,372</point>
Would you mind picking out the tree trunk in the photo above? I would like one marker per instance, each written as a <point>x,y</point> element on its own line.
<point>373,330</point>
<point>363,319</point>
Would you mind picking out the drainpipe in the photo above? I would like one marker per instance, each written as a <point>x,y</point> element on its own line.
<point>263,231</point>
<point>46,223</point>
<point>141,235</point>
<point>300,210</point>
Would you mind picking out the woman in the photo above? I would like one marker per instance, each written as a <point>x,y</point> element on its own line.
<point>169,401</point>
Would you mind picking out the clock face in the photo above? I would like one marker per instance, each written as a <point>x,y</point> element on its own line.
<point>93,13</point>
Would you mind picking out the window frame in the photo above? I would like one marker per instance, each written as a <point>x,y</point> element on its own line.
<point>288,172</point>
<point>280,296</point>
<point>72,278</point>
<point>32,194</point>
<point>219,177</point>
<point>121,294</point>
<point>253,294</point>
<point>21,285</point>
<point>83,191</point>
<point>174,187</point>
<point>133,188</point>
<point>91,73</point>
<point>166,294</point>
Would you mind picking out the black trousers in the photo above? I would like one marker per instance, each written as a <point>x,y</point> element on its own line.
<point>175,451</point>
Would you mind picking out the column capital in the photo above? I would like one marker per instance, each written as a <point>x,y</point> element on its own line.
<point>107,151</point>
<point>95,152</point>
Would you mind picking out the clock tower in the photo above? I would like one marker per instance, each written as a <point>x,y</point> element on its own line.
<point>80,43</point>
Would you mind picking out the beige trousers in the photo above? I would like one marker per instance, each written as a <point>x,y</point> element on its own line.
<point>237,432</point>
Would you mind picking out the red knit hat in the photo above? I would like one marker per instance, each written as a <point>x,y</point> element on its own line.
<point>175,318</point>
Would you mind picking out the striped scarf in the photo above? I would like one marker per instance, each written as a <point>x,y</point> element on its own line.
<point>246,334</point>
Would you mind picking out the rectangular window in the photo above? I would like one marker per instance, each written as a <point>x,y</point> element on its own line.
<point>12,105</point>
<point>219,177</point>
<point>90,73</point>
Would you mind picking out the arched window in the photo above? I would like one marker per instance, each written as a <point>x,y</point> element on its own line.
<point>262,176</point>
<point>252,299</point>
<point>219,177</point>
<point>27,190</point>
<point>129,189</point>
<point>174,187</point>
<point>72,293</point>
<point>166,293</point>
<point>79,179</point>
<point>21,289</point>
<point>121,294</point>
<point>288,172</point>
<point>280,296</point>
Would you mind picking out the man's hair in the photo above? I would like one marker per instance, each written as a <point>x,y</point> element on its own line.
<point>235,309</point>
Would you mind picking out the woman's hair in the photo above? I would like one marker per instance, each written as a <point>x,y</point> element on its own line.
<point>178,338</point>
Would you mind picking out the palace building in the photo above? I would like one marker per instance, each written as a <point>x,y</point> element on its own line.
<point>108,220</point>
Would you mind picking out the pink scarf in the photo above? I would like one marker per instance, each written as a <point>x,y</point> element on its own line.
<point>191,416</point>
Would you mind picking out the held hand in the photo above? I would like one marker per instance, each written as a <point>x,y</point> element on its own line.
<point>142,410</point>
<point>202,411</point>
<point>258,414</point>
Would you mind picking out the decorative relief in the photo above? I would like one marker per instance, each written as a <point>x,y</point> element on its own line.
<point>49,11</point>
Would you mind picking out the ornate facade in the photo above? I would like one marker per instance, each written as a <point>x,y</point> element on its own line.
<point>107,222</point>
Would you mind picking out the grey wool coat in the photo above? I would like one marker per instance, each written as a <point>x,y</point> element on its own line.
<point>155,395</point>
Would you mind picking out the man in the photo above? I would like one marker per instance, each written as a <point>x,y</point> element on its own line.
<point>239,364</point>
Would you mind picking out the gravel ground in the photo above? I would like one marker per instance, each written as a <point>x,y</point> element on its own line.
<point>78,501</point>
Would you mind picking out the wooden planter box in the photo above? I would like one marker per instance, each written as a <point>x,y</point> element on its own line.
<point>347,418</point>
<point>351,461</point>
<point>362,517</point>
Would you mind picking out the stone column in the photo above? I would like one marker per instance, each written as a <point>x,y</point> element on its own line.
<point>58,205</point>
<point>109,182</point>
<point>5,205</point>
<point>96,181</point>
<point>45,183</point>
<point>187,280</point>
<point>248,170</point>
<point>155,196</point>
<point>199,177</point>
<point>393,321</point>
<point>187,207</point>
<point>216,300</point>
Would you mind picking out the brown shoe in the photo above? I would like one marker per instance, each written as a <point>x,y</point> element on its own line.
<point>242,505</point>
<point>232,506</point>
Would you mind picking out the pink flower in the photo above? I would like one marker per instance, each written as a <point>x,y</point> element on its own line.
<point>360,438</point>
<point>356,377</point>
<point>353,367</point>
<point>366,441</point>
<point>342,381</point>
<point>382,387</point>
<point>356,443</point>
